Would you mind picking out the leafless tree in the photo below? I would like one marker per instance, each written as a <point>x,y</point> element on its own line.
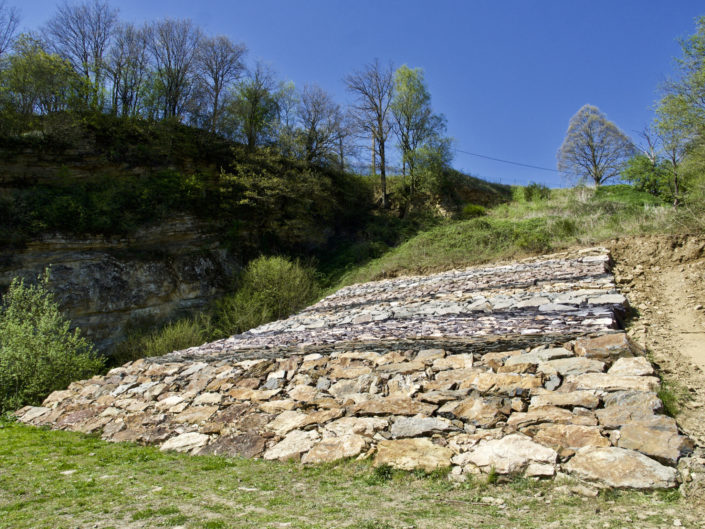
<point>219,63</point>
<point>9,20</point>
<point>174,45</point>
<point>321,122</point>
<point>594,148</point>
<point>127,65</point>
<point>81,33</point>
<point>372,88</point>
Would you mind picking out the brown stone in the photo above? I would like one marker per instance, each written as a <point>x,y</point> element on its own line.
<point>293,445</point>
<point>335,448</point>
<point>571,436</point>
<point>453,361</point>
<point>402,368</point>
<point>348,372</point>
<point>481,412</point>
<point>303,393</point>
<point>571,366</point>
<point>195,415</point>
<point>247,444</point>
<point>496,360</point>
<point>636,366</point>
<point>656,437</point>
<point>253,394</point>
<point>392,406</point>
<point>408,454</point>
<point>509,384</point>
<point>548,414</point>
<point>607,348</point>
<point>607,382</point>
<point>584,399</point>
<point>511,454</point>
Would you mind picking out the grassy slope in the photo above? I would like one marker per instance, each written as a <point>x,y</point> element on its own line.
<point>59,480</point>
<point>570,217</point>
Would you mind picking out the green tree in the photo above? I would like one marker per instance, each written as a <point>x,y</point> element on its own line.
<point>594,149</point>
<point>647,174</point>
<point>38,351</point>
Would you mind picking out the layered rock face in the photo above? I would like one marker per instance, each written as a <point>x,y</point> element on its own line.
<point>105,285</point>
<point>515,369</point>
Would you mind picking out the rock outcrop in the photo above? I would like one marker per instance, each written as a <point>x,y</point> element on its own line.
<point>515,369</point>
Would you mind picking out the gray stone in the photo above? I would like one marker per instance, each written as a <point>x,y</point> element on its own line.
<point>185,442</point>
<point>420,426</point>
<point>293,445</point>
<point>511,454</point>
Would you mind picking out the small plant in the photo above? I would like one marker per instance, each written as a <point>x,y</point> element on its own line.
<point>380,474</point>
<point>534,192</point>
<point>673,395</point>
<point>492,476</point>
<point>471,211</point>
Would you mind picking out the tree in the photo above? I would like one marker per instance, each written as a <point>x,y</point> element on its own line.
<point>650,174</point>
<point>373,88</point>
<point>38,351</point>
<point>254,107</point>
<point>322,124</point>
<point>219,63</point>
<point>594,148</point>
<point>9,20</point>
<point>81,34</point>
<point>415,124</point>
<point>174,44</point>
<point>127,66</point>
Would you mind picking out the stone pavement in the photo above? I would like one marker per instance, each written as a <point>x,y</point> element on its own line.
<point>516,369</point>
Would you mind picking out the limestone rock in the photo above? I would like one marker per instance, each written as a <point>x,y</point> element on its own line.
<point>287,421</point>
<point>408,454</point>
<point>656,437</point>
<point>571,366</point>
<point>636,366</point>
<point>511,454</point>
<point>392,406</point>
<point>620,468</point>
<point>607,348</point>
<point>185,442</point>
<point>509,384</point>
<point>584,399</point>
<point>293,445</point>
<point>570,436</point>
<point>419,426</point>
<point>241,445</point>
<point>608,382</point>
<point>481,412</point>
<point>365,426</point>
<point>456,361</point>
<point>549,414</point>
<point>334,448</point>
<point>538,356</point>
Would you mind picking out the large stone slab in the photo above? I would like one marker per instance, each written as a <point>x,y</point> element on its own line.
<point>621,468</point>
<point>293,445</point>
<point>408,454</point>
<point>511,454</point>
<point>656,437</point>
<point>335,448</point>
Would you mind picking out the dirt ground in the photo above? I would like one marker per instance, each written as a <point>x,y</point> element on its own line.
<point>664,279</point>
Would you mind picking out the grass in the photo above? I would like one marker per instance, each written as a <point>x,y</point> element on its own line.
<point>569,217</point>
<point>56,479</point>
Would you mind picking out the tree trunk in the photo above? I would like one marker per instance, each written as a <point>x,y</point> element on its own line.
<point>383,175</point>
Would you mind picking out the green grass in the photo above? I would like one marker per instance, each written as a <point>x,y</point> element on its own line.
<point>55,479</point>
<point>569,217</point>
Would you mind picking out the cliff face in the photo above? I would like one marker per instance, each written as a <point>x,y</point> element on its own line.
<point>105,285</point>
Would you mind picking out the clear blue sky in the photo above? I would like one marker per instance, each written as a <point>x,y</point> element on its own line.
<point>508,74</point>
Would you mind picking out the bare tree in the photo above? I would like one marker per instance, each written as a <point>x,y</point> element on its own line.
<point>594,148</point>
<point>321,122</point>
<point>373,88</point>
<point>127,65</point>
<point>174,45</point>
<point>219,63</point>
<point>9,20</point>
<point>81,34</point>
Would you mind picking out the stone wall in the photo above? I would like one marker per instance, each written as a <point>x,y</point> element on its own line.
<point>516,369</point>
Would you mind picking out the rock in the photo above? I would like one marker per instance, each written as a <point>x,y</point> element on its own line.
<point>548,414</point>
<point>538,356</point>
<point>185,442</point>
<point>277,406</point>
<point>287,421</point>
<point>348,372</point>
<point>293,445</point>
<point>30,413</point>
<point>608,382</point>
<point>441,397</point>
<point>419,426</point>
<point>584,399</point>
<point>508,384</point>
<point>366,426</point>
<point>323,384</point>
<point>253,394</point>
<point>455,376</point>
<point>208,398</point>
<point>335,448</point>
<point>571,366</point>
<point>392,406</point>
<point>241,445</point>
<point>657,437</point>
<point>195,415</point>
<point>408,454</point>
<point>347,387</point>
<point>455,361</point>
<point>620,468</point>
<point>429,356</point>
<point>511,454</point>
<point>607,348</point>
<point>481,412</point>
<point>303,393</point>
<point>635,366</point>
<point>570,436</point>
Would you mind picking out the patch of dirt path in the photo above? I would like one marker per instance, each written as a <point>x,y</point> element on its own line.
<point>664,280</point>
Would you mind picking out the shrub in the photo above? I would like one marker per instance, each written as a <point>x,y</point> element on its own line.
<point>536,191</point>
<point>38,351</point>
<point>173,336</point>
<point>471,211</point>
<point>270,288</point>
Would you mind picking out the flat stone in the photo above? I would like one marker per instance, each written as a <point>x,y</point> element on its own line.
<point>242,445</point>
<point>635,366</point>
<point>402,368</point>
<point>441,397</point>
<point>549,414</point>
<point>195,415</point>
<point>366,426</point>
<point>409,454</point>
<point>509,384</point>
<point>511,454</point>
<point>392,406</point>
<point>253,394</point>
<point>420,426</point>
<point>208,398</point>
<point>335,448</point>
<point>348,372</point>
<point>303,393</point>
<point>287,421</point>
<point>571,436</point>
<point>657,437</point>
<point>620,468</point>
<point>429,356</point>
<point>608,382</point>
<point>293,445</point>
<point>455,361</point>
<point>455,376</point>
<point>277,406</point>
<point>571,366</point>
<point>347,387</point>
<point>538,356</point>
<point>583,399</point>
<point>29,413</point>
<point>481,412</point>
<point>607,348</point>
<point>185,442</point>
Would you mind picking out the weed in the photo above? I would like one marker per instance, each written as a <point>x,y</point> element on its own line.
<point>492,476</point>
<point>380,475</point>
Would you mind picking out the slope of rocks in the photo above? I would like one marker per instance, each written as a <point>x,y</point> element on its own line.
<point>515,369</point>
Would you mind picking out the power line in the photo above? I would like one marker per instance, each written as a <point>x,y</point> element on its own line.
<point>508,161</point>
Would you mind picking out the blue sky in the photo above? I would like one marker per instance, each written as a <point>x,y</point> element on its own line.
<point>508,75</point>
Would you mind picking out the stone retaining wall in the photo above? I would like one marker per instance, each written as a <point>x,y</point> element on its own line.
<point>515,368</point>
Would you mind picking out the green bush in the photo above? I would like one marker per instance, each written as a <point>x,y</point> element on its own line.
<point>38,351</point>
<point>535,191</point>
<point>270,288</point>
<point>470,211</point>
<point>173,336</point>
